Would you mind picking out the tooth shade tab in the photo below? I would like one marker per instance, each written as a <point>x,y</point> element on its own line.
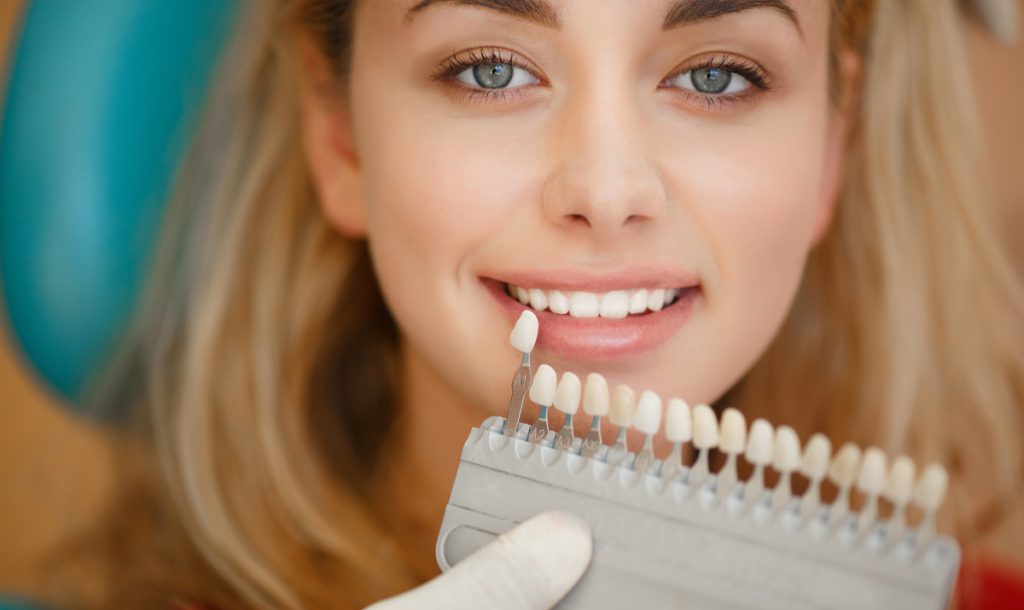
<point>733,431</point>
<point>931,488</point>
<point>705,427</point>
<point>524,333</point>
<point>623,406</point>
<point>844,465</point>
<point>814,464</point>
<point>787,449</point>
<point>871,478</point>
<point>542,390</point>
<point>648,413</point>
<point>567,395</point>
<point>595,395</point>
<point>761,444</point>
<point>678,425</point>
<point>899,486</point>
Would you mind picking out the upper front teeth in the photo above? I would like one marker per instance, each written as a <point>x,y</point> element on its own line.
<point>579,304</point>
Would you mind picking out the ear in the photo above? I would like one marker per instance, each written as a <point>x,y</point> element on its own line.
<point>327,143</point>
<point>837,141</point>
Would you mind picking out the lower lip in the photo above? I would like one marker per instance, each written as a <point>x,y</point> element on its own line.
<point>601,338</point>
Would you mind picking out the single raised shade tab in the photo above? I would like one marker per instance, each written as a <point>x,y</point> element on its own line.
<point>567,395</point>
<point>545,381</point>
<point>678,426</point>
<point>931,488</point>
<point>871,478</point>
<point>733,431</point>
<point>705,427</point>
<point>595,395</point>
<point>761,444</point>
<point>524,333</point>
<point>623,406</point>
<point>899,486</point>
<point>814,464</point>
<point>648,413</point>
<point>787,449</point>
<point>844,465</point>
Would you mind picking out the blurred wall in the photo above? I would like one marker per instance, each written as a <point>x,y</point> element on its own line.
<point>54,470</point>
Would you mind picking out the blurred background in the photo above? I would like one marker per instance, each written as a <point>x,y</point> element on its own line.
<point>55,469</point>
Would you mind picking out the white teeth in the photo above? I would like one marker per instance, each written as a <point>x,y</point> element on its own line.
<point>656,299</point>
<point>524,333</point>
<point>567,395</point>
<point>678,426</point>
<point>761,444</point>
<point>733,431</point>
<point>787,449</point>
<point>558,302</point>
<point>638,302</point>
<point>814,464</point>
<point>595,395</point>
<point>623,406</point>
<point>584,305</point>
<point>648,413</point>
<point>615,304</point>
<point>538,299</point>
<point>542,390</point>
<point>705,427</point>
<point>931,488</point>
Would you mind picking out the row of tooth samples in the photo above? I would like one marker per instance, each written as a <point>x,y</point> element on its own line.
<point>762,446</point>
<point>615,304</point>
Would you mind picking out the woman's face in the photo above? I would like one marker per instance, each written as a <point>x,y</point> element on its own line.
<point>599,147</point>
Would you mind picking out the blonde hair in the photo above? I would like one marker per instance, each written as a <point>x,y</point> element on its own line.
<point>265,356</point>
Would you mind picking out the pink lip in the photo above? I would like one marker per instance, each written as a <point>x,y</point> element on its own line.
<point>625,279</point>
<point>596,339</point>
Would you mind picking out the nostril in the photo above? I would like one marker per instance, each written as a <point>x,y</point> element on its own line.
<point>578,218</point>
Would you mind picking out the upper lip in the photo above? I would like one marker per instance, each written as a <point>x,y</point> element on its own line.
<point>627,278</point>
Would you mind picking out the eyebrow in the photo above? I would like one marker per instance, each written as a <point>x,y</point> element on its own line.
<point>683,12</point>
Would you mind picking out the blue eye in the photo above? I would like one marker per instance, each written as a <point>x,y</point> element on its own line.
<point>495,75</point>
<point>712,80</point>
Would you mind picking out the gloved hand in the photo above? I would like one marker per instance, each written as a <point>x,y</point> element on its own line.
<point>530,567</point>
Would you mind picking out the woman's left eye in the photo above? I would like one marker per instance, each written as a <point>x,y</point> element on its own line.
<point>711,80</point>
<point>495,75</point>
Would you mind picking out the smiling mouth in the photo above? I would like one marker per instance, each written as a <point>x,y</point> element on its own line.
<point>614,304</point>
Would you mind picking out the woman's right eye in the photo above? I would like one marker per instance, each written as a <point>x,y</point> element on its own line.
<point>496,75</point>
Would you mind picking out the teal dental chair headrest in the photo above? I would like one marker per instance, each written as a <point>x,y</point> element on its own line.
<point>100,101</point>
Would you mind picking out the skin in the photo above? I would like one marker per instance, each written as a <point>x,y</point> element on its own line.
<point>595,167</point>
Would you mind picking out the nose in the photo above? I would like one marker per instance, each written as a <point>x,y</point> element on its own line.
<point>602,179</point>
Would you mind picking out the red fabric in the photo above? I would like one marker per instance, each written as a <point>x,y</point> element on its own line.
<point>990,584</point>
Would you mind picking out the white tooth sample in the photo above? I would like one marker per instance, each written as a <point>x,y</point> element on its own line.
<point>596,396</point>
<point>842,473</point>
<point>733,437</point>
<point>615,305</point>
<point>538,299</point>
<point>678,430</point>
<point>595,404</point>
<point>567,394</point>
<point>705,438</point>
<point>929,493</point>
<point>523,295</point>
<point>558,302</point>
<point>656,299</point>
<point>787,459</point>
<point>760,452</point>
<point>870,482</point>
<point>638,301</point>
<point>814,466</point>
<point>542,390</point>
<point>567,400</point>
<point>621,413</point>
<point>647,420</point>
<point>899,487</point>
<point>524,333</point>
<point>583,305</point>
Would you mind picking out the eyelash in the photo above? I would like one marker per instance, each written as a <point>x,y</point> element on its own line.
<point>756,75</point>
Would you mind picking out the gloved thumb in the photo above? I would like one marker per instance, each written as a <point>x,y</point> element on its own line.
<point>530,567</point>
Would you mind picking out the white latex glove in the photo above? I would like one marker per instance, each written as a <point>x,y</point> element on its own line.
<point>530,567</point>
